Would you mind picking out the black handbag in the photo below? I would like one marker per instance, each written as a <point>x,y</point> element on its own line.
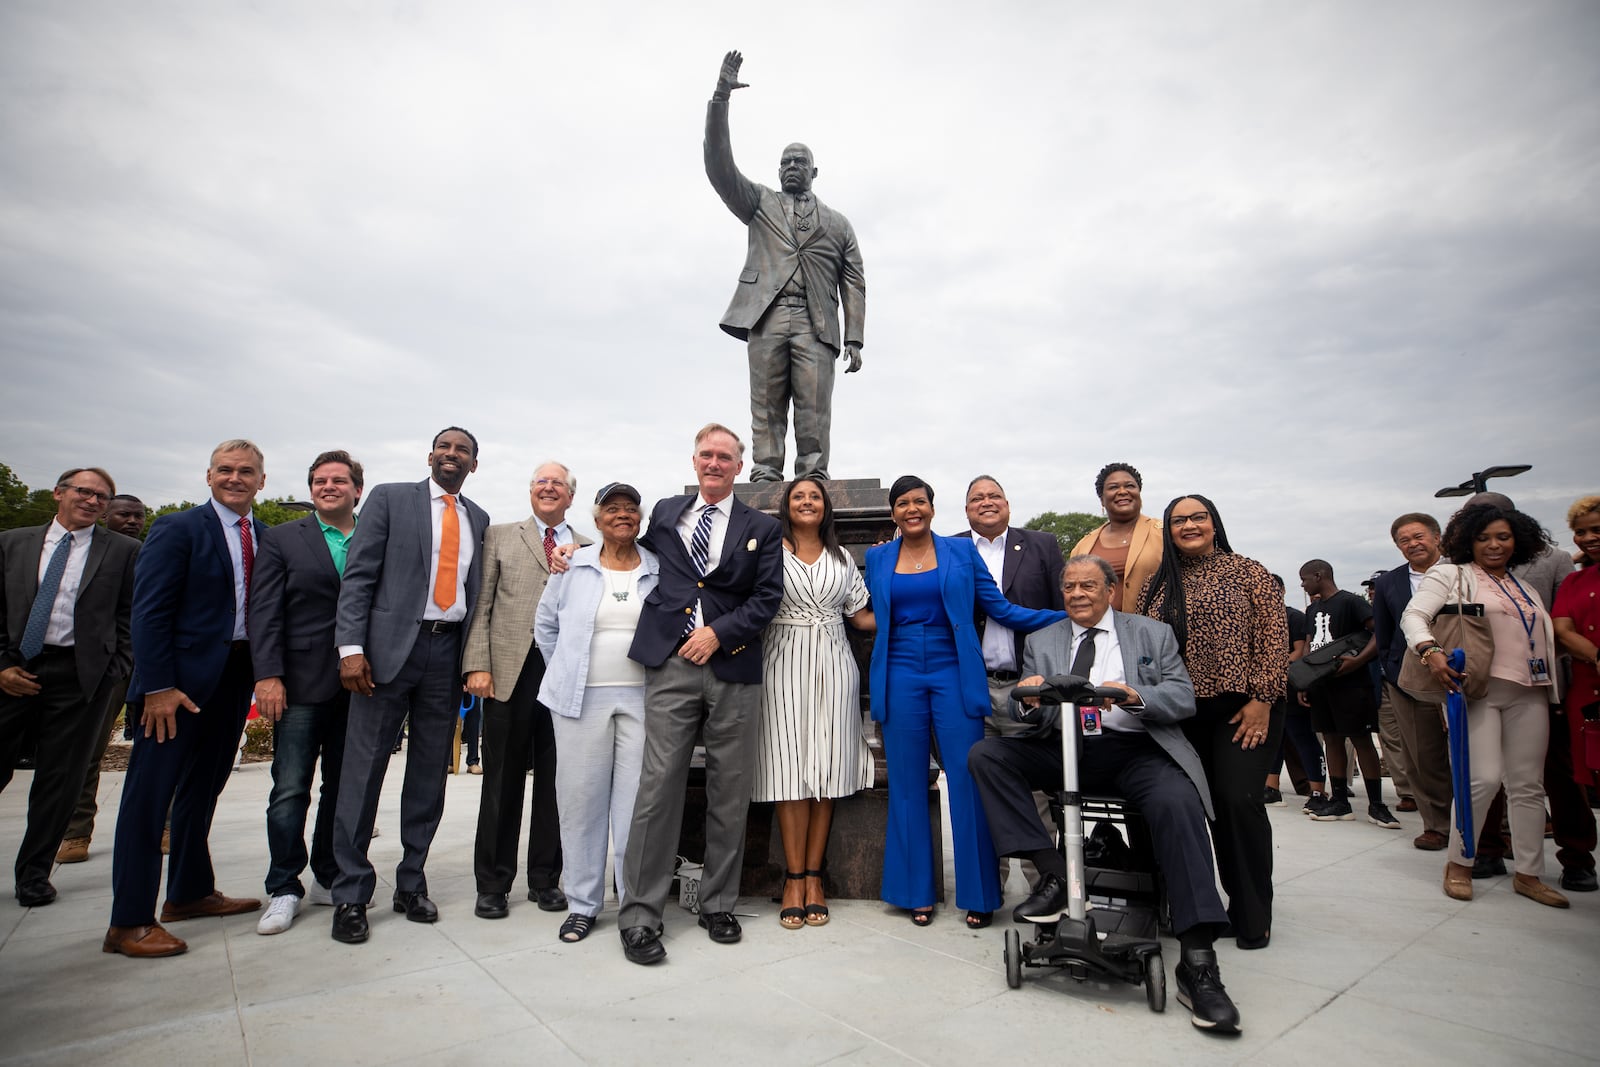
<point>1317,666</point>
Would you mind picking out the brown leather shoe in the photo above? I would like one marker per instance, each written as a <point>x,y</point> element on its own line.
<point>1430,841</point>
<point>142,942</point>
<point>1457,881</point>
<point>73,850</point>
<point>215,904</point>
<point>1530,887</point>
<point>1406,804</point>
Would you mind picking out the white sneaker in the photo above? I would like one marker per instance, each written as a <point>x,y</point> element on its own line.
<point>317,893</point>
<point>280,914</point>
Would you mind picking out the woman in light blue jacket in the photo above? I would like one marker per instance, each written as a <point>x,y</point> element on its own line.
<point>584,629</point>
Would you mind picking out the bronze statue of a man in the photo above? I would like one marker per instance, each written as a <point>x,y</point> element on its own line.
<point>801,264</point>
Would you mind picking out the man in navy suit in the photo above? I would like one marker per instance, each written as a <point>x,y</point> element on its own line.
<point>1424,746</point>
<point>699,638</point>
<point>399,630</point>
<point>294,595</point>
<point>66,594</point>
<point>191,655</point>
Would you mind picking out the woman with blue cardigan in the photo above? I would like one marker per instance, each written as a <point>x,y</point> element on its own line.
<point>927,678</point>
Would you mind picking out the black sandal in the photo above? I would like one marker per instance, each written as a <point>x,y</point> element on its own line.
<point>977,920</point>
<point>792,918</point>
<point>576,927</point>
<point>920,917</point>
<point>816,914</point>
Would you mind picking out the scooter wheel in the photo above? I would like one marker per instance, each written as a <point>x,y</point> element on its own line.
<point>1155,982</point>
<point>1013,958</point>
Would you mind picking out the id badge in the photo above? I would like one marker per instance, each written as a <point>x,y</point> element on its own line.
<point>1539,671</point>
<point>1090,718</point>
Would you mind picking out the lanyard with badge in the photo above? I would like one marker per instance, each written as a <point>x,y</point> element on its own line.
<point>1538,670</point>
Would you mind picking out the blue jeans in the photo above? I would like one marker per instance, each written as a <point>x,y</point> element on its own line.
<point>305,732</point>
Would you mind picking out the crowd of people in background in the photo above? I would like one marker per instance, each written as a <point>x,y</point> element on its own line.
<point>601,668</point>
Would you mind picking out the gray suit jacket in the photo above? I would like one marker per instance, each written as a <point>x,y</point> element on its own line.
<point>514,576</point>
<point>385,589</point>
<point>1151,664</point>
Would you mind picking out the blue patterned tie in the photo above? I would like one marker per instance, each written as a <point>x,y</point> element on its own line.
<point>45,599</point>
<point>700,551</point>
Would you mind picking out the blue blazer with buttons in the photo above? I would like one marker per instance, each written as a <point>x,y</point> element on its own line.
<point>964,584</point>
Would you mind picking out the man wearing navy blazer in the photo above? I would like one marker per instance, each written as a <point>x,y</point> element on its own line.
<point>1139,752</point>
<point>699,638</point>
<point>60,657</point>
<point>294,596</point>
<point>410,583</point>
<point>192,683</point>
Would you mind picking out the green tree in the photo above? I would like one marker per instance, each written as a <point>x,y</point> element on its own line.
<point>1069,527</point>
<point>267,512</point>
<point>20,506</point>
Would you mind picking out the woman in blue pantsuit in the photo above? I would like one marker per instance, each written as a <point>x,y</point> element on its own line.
<point>927,679</point>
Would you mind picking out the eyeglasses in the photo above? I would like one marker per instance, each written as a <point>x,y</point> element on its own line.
<point>88,494</point>
<point>1197,518</point>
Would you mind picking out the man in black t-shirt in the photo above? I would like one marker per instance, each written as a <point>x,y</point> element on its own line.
<point>1342,706</point>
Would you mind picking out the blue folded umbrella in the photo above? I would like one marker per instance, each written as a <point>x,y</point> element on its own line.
<point>468,702</point>
<point>1455,717</point>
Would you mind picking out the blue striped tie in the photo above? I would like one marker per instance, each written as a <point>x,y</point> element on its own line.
<point>700,552</point>
<point>44,600</point>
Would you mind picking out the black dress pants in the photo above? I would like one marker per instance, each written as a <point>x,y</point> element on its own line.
<point>1242,833</point>
<point>1007,770</point>
<point>517,736</point>
<point>63,724</point>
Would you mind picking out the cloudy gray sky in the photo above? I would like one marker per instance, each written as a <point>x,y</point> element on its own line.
<point>1313,260</point>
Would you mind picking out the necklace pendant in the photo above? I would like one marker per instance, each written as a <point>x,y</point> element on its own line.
<point>620,596</point>
<point>918,566</point>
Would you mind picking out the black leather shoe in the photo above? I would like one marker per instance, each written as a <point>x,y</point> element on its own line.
<point>417,906</point>
<point>1573,880</point>
<point>643,945</point>
<point>1491,867</point>
<point>350,923</point>
<point>549,898</point>
<point>722,926</point>
<point>1046,904</point>
<point>492,906</point>
<point>1200,990</point>
<point>37,892</point>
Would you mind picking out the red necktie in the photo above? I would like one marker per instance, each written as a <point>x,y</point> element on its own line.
<point>444,586</point>
<point>247,555</point>
<point>549,547</point>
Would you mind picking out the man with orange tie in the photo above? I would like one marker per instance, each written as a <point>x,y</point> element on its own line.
<point>399,631</point>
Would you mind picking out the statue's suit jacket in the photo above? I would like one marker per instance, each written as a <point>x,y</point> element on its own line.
<point>100,617</point>
<point>294,594</point>
<point>826,255</point>
<point>738,597</point>
<point>1151,664</point>
<point>515,573</point>
<point>386,573</point>
<point>1031,575</point>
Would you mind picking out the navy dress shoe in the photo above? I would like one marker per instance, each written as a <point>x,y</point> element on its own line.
<point>417,907</point>
<point>350,923</point>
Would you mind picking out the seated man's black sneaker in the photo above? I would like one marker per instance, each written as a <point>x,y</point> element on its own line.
<point>1200,990</point>
<point>1046,904</point>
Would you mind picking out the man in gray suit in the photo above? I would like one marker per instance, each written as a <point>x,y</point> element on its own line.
<point>1138,751</point>
<point>398,629</point>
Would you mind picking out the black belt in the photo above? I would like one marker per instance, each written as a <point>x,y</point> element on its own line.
<point>439,626</point>
<point>1004,677</point>
<point>54,652</point>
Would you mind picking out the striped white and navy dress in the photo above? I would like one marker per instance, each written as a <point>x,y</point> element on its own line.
<point>811,745</point>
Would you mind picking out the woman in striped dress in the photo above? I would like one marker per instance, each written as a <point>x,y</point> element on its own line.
<point>811,747</point>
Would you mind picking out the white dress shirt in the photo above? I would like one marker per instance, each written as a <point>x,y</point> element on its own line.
<point>457,612</point>
<point>230,531</point>
<point>999,642</point>
<point>720,514</point>
<point>58,631</point>
<point>1108,667</point>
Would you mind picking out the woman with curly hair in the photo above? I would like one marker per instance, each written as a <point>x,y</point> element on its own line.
<point>1129,541</point>
<point>1234,636</point>
<point>1508,728</point>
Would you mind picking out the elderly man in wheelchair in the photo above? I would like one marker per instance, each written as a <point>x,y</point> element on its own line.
<point>1132,748</point>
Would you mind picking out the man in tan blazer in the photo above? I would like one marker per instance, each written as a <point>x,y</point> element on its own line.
<point>504,669</point>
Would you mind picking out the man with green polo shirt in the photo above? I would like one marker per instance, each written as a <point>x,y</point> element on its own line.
<point>294,596</point>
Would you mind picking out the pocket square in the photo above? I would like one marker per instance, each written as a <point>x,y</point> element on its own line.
<point>750,545</point>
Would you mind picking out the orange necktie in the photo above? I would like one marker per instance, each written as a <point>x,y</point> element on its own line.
<point>444,586</point>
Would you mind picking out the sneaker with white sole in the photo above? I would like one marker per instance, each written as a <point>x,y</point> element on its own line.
<point>1313,802</point>
<point>1380,815</point>
<point>1335,810</point>
<point>279,915</point>
<point>317,893</point>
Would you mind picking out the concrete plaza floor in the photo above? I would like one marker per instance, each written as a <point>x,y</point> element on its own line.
<point>1369,963</point>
